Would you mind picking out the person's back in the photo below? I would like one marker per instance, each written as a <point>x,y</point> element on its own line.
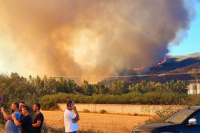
<point>10,125</point>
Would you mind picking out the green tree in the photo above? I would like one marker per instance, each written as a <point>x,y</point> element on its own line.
<point>88,89</point>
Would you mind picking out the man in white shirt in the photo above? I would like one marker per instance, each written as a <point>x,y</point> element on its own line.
<point>70,119</point>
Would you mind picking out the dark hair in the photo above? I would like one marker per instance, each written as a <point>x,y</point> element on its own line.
<point>17,105</point>
<point>69,102</point>
<point>21,102</point>
<point>26,107</point>
<point>37,105</point>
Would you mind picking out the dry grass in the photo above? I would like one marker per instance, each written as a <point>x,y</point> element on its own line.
<point>106,123</point>
<point>97,122</point>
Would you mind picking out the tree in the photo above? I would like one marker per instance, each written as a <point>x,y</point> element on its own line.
<point>88,89</point>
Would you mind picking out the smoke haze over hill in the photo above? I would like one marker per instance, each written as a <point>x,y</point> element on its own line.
<point>87,37</point>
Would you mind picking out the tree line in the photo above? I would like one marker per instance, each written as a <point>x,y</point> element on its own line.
<point>14,88</point>
<point>46,86</point>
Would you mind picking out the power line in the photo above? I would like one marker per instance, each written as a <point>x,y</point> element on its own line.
<point>147,75</point>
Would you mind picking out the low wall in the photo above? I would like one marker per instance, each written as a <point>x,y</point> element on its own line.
<point>122,108</point>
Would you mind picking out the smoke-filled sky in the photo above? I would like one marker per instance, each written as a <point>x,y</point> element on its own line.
<point>89,37</point>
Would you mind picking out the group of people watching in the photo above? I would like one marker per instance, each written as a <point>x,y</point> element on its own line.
<point>20,120</point>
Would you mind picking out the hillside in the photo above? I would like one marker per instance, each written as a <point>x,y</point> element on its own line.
<point>176,67</point>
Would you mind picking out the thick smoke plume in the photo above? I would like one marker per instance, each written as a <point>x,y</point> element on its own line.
<point>88,37</point>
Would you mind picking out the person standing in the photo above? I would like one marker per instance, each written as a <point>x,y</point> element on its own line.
<point>37,119</point>
<point>70,119</point>
<point>21,105</point>
<point>11,127</point>
<point>25,122</point>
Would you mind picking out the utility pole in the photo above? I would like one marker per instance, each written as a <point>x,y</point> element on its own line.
<point>55,91</point>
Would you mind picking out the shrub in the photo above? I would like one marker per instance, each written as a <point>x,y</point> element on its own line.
<point>103,111</point>
<point>162,115</point>
<point>86,111</point>
<point>135,114</point>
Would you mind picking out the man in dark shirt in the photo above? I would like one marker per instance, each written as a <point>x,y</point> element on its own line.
<point>25,122</point>
<point>37,119</point>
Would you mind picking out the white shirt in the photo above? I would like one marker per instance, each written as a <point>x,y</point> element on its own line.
<point>69,126</point>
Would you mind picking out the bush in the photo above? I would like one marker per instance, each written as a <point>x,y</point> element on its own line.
<point>162,115</point>
<point>135,114</point>
<point>103,111</point>
<point>155,98</point>
<point>86,111</point>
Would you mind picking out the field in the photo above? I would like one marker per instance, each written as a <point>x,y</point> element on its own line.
<point>106,123</point>
<point>98,122</point>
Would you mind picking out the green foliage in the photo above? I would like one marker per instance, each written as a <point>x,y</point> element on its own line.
<point>162,115</point>
<point>155,98</point>
<point>14,88</point>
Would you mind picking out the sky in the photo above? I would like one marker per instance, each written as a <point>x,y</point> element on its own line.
<point>190,44</point>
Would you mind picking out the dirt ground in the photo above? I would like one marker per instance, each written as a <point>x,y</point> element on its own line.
<point>109,123</point>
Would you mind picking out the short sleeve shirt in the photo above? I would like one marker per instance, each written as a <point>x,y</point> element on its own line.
<point>26,124</point>
<point>10,125</point>
<point>37,117</point>
<point>69,125</point>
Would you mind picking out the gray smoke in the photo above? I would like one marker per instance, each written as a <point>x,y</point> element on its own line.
<point>90,37</point>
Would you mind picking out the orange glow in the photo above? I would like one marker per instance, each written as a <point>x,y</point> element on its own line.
<point>161,62</point>
<point>136,69</point>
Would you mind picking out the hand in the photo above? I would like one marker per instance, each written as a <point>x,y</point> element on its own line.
<point>2,109</point>
<point>13,116</point>
<point>73,107</point>
<point>73,121</point>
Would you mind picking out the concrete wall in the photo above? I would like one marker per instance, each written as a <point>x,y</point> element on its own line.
<point>122,108</point>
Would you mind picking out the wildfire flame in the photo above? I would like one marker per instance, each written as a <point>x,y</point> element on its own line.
<point>161,62</point>
<point>136,69</point>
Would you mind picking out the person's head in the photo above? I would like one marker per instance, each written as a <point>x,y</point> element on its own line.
<point>25,110</point>
<point>14,107</point>
<point>21,105</point>
<point>36,107</point>
<point>70,103</point>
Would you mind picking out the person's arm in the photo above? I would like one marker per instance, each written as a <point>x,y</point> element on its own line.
<point>40,118</point>
<point>37,124</point>
<point>77,118</point>
<point>17,123</point>
<point>5,115</point>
